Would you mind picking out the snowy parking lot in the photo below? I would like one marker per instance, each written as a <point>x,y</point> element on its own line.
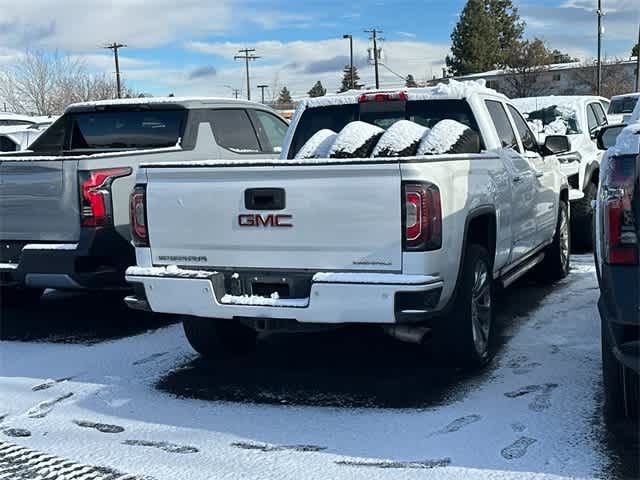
<point>92,391</point>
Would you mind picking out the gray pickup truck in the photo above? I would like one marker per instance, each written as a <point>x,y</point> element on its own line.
<point>64,203</point>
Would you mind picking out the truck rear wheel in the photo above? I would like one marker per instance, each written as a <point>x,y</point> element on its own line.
<point>214,337</point>
<point>464,338</point>
<point>621,385</point>
<point>557,256</point>
<point>18,296</point>
<point>582,220</point>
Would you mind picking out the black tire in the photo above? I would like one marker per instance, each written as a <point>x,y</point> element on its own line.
<point>621,385</point>
<point>19,296</point>
<point>557,256</point>
<point>464,337</point>
<point>212,337</point>
<point>582,220</point>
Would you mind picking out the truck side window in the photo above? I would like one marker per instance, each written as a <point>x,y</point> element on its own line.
<point>51,142</point>
<point>528,140</point>
<point>599,112</point>
<point>503,125</point>
<point>233,130</point>
<point>591,119</point>
<point>273,128</point>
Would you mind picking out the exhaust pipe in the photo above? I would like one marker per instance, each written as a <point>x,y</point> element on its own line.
<point>408,333</point>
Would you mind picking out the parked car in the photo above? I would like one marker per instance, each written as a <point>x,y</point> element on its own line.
<point>621,107</point>
<point>403,210</point>
<point>617,261</point>
<point>64,204</point>
<point>580,118</point>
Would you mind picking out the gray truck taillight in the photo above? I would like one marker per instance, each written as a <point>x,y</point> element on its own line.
<point>620,229</point>
<point>138,214</point>
<point>422,217</point>
<point>96,208</point>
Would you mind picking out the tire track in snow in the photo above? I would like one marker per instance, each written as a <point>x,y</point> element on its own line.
<point>50,383</point>
<point>20,463</point>
<point>16,432</point>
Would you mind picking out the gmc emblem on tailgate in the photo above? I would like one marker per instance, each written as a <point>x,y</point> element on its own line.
<point>257,220</point>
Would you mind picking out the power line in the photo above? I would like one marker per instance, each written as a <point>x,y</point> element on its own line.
<point>395,73</point>
<point>115,47</point>
<point>248,55</point>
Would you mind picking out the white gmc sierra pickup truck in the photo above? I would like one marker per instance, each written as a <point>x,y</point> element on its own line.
<point>404,210</point>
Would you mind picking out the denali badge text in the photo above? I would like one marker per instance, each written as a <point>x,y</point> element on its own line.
<point>257,220</point>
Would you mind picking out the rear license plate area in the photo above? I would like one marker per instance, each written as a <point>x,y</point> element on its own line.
<point>267,289</point>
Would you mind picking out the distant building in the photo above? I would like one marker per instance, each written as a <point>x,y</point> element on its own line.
<point>576,78</point>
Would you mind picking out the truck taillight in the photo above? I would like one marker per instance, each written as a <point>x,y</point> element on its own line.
<point>382,97</point>
<point>138,211</point>
<point>422,217</point>
<point>96,208</point>
<point>620,229</point>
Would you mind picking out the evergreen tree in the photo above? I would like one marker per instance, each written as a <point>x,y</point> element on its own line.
<point>410,82</point>
<point>317,90</point>
<point>285,96</point>
<point>634,52</point>
<point>508,24</point>
<point>346,79</point>
<point>475,43</point>
<point>484,35</point>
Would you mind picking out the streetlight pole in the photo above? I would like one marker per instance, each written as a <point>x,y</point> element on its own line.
<point>350,37</point>
<point>599,79</point>
<point>638,63</point>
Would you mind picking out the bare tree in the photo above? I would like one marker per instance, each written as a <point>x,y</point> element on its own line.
<point>45,83</point>
<point>617,78</point>
<point>526,61</point>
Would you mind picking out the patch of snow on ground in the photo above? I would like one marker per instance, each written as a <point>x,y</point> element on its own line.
<point>353,137</point>
<point>442,137</point>
<point>532,415</point>
<point>319,145</point>
<point>399,137</point>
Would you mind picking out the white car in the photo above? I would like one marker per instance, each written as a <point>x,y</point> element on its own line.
<point>621,107</point>
<point>581,118</point>
<point>403,210</point>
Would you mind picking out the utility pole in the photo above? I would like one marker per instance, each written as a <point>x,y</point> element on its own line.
<point>248,55</point>
<point>351,82</point>
<point>115,47</point>
<point>262,87</point>
<point>638,63</point>
<point>599,79</point>
<point>374,36</point>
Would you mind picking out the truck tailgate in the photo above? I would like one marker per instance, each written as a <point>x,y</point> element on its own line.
<point>39,200</point>
<point>321,217</point>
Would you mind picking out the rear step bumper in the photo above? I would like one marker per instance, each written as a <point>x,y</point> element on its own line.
<point>334,298</point>
<point>95,262</point>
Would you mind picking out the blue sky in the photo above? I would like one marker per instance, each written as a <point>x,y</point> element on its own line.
<point>187,48</point>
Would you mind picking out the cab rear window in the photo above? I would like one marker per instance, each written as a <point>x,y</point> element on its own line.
<point>382,114</point>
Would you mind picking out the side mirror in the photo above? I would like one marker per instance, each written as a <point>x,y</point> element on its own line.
<point>556,144</point>
<point>595,132</point>
<point>608,135</point>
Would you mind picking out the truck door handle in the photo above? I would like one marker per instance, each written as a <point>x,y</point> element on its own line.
<point>517,179</point>
<point>264,199</point>
<point>539,174</point>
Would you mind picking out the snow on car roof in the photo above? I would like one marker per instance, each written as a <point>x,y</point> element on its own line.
<point>452,90</point>
<point>188,102</point>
